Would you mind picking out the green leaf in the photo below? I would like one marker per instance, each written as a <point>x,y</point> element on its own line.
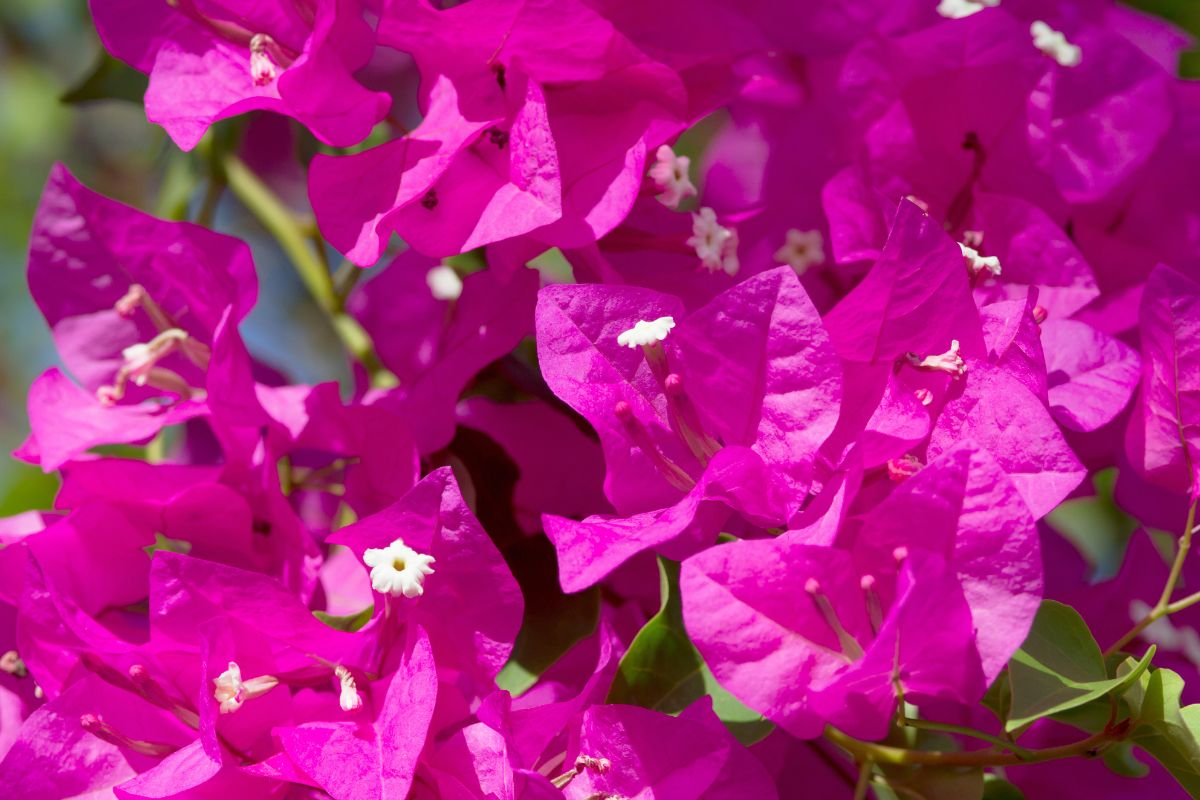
<point>162,542</point>
<point>553,621</point>
<point>999,697</point>
<point>995,788</point>
<point>925,782</point>
<point>1095,716</point>
<point>1090,717</point>
<point>348,623</point>
<point>109,79</point>
<point>1120,758</point>
<point>1097,528</point>
<point>1167,732</point>
<point>663,671</point>
<point>1060,667</point>
<point>933,783</point>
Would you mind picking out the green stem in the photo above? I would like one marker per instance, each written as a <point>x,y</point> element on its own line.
<point>281,223</point>
<point>344,280</point>
<point>864,780</point>
<point>1184,602</point>
<point>1164,606</point>
<point>961,730</point>
<point>212,197</point>
<point>886,754</point>
<point>178,183</point>
<point>306,252</point>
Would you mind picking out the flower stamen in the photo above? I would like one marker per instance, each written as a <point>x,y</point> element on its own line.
<point>874,608</point>
<point>102,730</point>
<point>640,438</point>
<point>687,420</point>
<point>141,366</point>
<point>849,645</point>
<point>154,693</point>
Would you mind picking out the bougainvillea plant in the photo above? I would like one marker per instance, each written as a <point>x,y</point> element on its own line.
<point>746,400</point>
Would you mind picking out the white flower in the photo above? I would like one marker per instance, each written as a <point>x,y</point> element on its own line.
<point>1055,45</point>
<point>670,175</point>
<point>715,244</point>
<point>262,68</point>
<point>957,9</point>
<point>348,697</point>
<point>444,283</point>
<point>645,333</point>
<point>398,569</point>
<point>231,691</point>
<point>977,263</point>
<point>11,663</point>
<point>801,250</point>
<point>949,362</point>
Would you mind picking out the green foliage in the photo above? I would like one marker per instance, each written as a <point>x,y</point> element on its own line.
<point>349,622</point>
<point>1060,667</point>
<point>553,621</point>
<point>995,788</point>
<point>108,79</point>
<point>1060,673</point>
<point>168,544</point>
<point>1096,526</point>
<point>913,782</point>
<point>942,784</point>
<point>662,669</point>
<point>1163,729</point>
<point>1121,759</point>
<point>1185,14</point>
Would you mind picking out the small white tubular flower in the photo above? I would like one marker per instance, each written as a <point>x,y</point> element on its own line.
<point>139,358</point>
<point>348,697</point>
<point>398,569</point>
<point>957,9</point>
<point>645,333</point>
<point>262,68</point>
<point>949,362</point>
<point>801,250</point>
<point>444,283</point>
<point>1055,45</point>
<point>977,263</point>
<point>11,663</point>
<point>715,244</point>
<point>232,692</point>
<point>670,176</point>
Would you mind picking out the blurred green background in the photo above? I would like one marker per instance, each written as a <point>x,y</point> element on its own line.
<point>48,48</point>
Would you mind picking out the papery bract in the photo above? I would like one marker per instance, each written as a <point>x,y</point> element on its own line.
<point>1164,434</point>
<point>756,371</point>
<point>653,755</point>
<point>472,607</point>
<point>208,61</point>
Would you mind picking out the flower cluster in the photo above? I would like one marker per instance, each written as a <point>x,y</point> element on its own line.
<point>735,386</point>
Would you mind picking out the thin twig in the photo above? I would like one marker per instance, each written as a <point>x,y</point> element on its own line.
<point>1164,606</point>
